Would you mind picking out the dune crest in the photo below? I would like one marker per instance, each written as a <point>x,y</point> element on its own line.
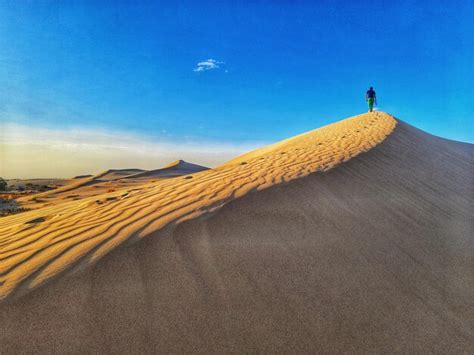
<point>40,245</point>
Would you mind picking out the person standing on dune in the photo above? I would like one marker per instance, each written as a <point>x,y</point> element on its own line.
<point>371,98</point>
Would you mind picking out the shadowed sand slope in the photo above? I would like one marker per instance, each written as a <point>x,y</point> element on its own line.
<point>375,255</point>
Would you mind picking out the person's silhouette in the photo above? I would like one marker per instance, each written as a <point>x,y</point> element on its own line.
<point>371,98</point>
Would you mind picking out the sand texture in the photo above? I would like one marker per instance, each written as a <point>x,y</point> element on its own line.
<point>328,254</point>
<point>37,246</point>
<point>107,181</point>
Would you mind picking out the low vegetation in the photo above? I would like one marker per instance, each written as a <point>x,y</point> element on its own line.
<point>8,205</point>
<point>3,184</point>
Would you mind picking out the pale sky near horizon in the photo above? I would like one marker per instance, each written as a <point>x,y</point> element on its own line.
<point>91,85</point>
<point>65,153</point>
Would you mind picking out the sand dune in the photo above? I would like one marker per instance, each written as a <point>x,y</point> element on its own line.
<point>78,233</point>
<point>86,180</point>
<point>110,180</point>
<point>115,174</point>
<point>177,168</point>
<point>373,255</point>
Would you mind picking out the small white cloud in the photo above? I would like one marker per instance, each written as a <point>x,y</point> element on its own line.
<point>207,65</point>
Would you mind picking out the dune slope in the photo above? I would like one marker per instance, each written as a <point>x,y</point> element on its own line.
<point>39,245</point>
<point>375,255</point>
<point>176,168</point>
<point>87,180</point>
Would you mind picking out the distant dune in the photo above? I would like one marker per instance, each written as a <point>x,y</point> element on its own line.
<point>114,174</point>
<point>82,176</point>
<point>177,168</point>
<point>110,180</point>
<point>357,237</point>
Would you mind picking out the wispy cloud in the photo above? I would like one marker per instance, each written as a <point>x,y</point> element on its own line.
<point>208,64</point>
<point>28,152</point>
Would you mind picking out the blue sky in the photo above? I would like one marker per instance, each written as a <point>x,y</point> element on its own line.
<point>279,67</point>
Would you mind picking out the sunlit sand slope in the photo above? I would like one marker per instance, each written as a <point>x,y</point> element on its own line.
<point>111,180</point>
<point>39,245</point>
<point>108,175</point>
<point>373,256</point>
